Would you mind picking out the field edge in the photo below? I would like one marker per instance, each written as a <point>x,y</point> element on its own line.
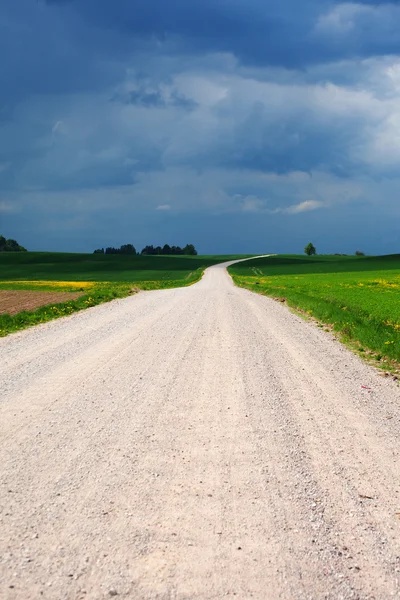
<point>99,293</point>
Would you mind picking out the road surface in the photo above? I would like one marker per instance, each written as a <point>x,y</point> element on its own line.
<point>195,443</point>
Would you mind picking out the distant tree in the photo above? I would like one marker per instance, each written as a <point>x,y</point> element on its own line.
<point>359,253</point>
<point>128,249</point>
<point>149,250</point>
<point>190,250</point>
<point>310,249</point>
<point>10,245</point>
<point>124,249</point>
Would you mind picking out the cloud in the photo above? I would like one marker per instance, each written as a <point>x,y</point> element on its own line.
<point>305,206</point>
<point>238,122</point>
<point>361,28</point>
<point>148,99</point>
<point>217,109</point>
<point>57,127</point>
<point>342,19</point>
<point>257,32</point>
<point>7,207</point>
<point>163,97</point>
<point>252,204</point>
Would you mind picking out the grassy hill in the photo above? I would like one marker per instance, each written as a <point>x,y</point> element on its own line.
<point>58,266</point>
<point>296,264</point>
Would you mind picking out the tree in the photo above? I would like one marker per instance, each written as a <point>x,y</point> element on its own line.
<point>124,249</point>
<point>10,245</point>
<point>128,249</point>
<point>148,250</point>
<point>359,253</point>
<point>190,250</point>
<point>310,249</point>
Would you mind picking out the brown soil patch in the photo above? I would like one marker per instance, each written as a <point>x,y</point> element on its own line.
<point>15,301</point>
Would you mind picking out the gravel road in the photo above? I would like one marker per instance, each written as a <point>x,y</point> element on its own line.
<point>201,442</point>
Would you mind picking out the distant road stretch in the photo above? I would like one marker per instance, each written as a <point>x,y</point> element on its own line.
<point>195,443</point>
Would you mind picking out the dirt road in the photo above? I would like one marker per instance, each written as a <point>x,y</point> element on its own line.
<point>201,443</point>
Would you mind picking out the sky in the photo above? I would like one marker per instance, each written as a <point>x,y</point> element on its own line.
<point>241,126</point>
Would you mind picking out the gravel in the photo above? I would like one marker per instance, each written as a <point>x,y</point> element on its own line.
<point>199,442</point>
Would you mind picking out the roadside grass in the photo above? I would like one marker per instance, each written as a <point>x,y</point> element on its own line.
<point>95,294</point>
<point>101,278</point>
<point>358,297</point>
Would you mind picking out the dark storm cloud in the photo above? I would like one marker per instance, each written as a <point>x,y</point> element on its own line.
<point>52,50</point>
<point>84,45</point>
<point>230,110</point>
<point>256,31</point>
<point>154,99</point>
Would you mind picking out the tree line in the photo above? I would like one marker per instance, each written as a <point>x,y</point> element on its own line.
<point>188,250</point>
<point>10,245</point>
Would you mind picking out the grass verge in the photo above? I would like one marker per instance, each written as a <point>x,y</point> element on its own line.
<point>96,295</point>
<point>359,299</point>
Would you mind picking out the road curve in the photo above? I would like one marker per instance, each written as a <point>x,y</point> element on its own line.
<point>195,443</point>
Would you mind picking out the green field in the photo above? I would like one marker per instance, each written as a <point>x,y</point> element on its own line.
<point>100,278</point>
<point>360,297</point>
<point>54,266</point>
